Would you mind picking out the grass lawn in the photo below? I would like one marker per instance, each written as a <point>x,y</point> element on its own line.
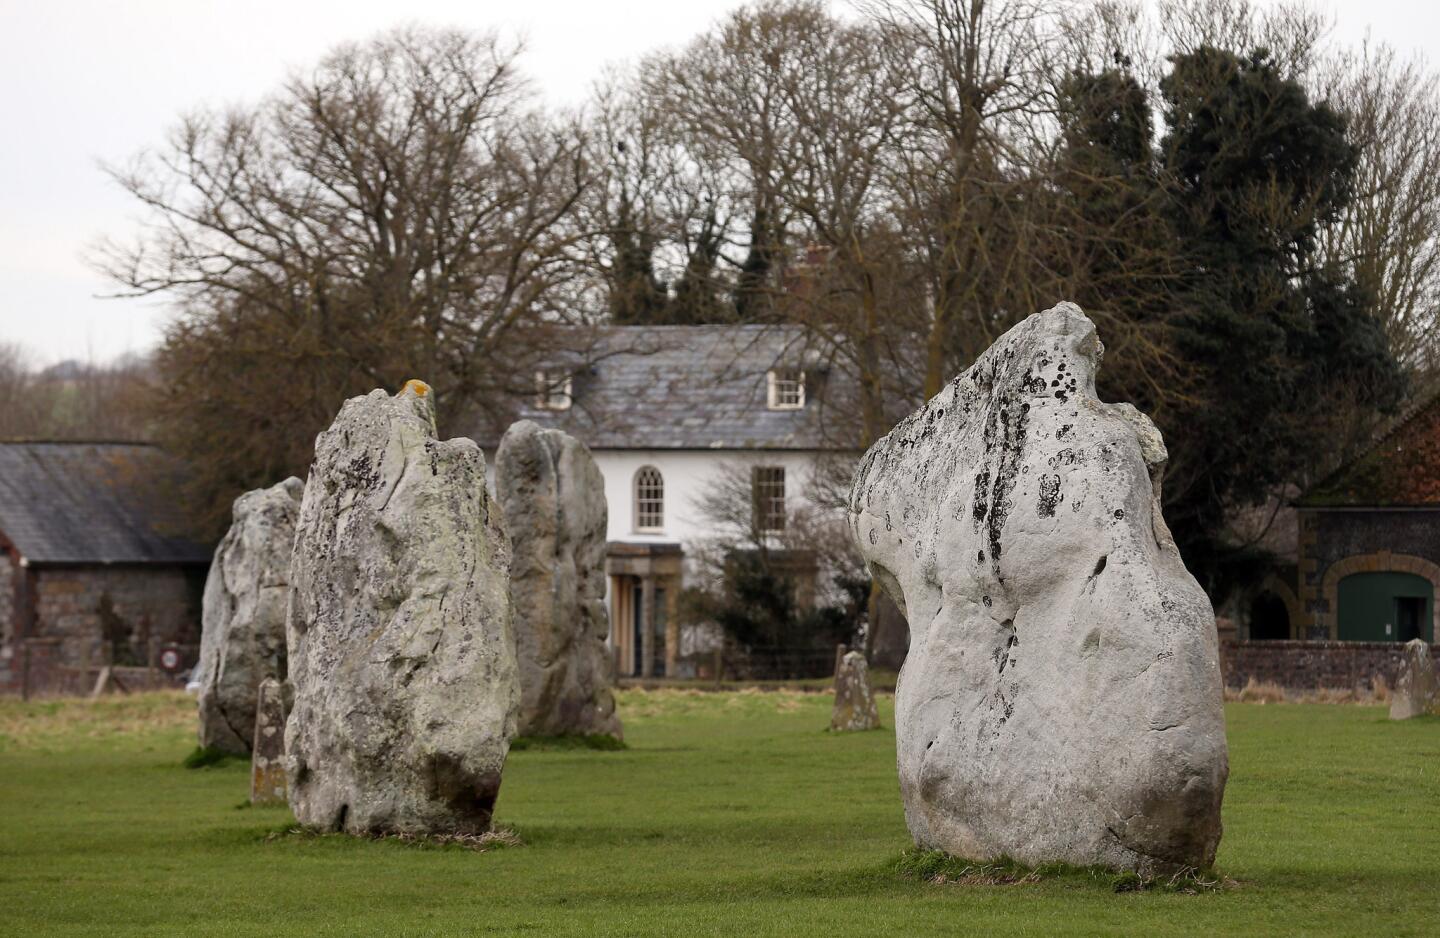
<point>731,814</point>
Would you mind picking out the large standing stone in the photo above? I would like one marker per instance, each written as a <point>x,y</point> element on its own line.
<point>402,653</point>
<point>554,500</point>
<point>1415,691</point>
<point>242,641</point>
<point>854,697</point>
<point>267,756</point>
<point>1062,698</point>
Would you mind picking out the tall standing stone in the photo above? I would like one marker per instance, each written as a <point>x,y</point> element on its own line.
<point>242,641</point>
<point>555,513</point>
<point>402,653</point>
<point>1415,691</point>
<point>854,697</point>
<point>1062,698</point>
<point>267,755</point>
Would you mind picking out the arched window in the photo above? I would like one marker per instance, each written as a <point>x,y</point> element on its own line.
<point>649,499</point>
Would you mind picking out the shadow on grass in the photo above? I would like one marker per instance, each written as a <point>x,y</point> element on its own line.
<point>934,866</point>
<point>206,757</point>
<point>568,742</point>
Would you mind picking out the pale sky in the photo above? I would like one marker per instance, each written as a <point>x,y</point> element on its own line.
<point>85,81</point>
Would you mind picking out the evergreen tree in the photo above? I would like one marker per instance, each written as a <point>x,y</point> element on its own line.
<point>636,296</point>
<point>696,298</point>
<point>1257,169</point>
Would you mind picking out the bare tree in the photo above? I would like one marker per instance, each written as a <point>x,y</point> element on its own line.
<point>400,211</point>
<point>72,400</point>
<point>1390,235</point>
<point>978,82</point>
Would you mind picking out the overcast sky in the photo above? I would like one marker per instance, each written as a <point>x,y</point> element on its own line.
<point>84,81</point>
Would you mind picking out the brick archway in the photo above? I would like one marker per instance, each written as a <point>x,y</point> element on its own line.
<point>1379,562</point>
<point>1293,607</point>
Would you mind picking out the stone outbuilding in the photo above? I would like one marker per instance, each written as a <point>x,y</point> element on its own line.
<point>1369,541</point>
<point>94,569</point>
<point>1365,573</point>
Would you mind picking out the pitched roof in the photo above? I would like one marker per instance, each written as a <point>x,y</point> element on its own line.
<point>92,503</point>
<point>687,387</point>
<point>1401,470</point>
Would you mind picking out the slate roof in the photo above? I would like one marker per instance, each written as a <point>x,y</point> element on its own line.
<point>687,387</point>
<point>1401,470</point>
<point>92,503</point>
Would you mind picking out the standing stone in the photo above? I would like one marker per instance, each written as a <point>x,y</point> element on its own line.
<point>402,653</point>
<point>267,755</point>
<point>1415,691</point>
<point>854,697</point>
<point>553,496</point>
<point>1062,697</point>
<point>242,641</point>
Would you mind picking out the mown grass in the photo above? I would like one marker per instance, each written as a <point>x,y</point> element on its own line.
<point>729,814</point>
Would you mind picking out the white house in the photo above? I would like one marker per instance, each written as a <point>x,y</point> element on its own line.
<point>668,412</point>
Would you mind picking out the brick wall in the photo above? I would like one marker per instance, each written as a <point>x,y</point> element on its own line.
<point>1311,665</point>
<point>91,609</point>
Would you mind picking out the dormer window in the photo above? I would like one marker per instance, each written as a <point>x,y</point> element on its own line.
<point>786,389</point>
<point>553,390</point>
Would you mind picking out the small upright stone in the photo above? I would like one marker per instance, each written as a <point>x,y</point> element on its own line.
<point>1415,691</point>
<point>854,697</point>
<point>267,756</point>
<point>402,653</point>
<point>1061,701</point>
<point>242,641</point>
<point>555,513</point>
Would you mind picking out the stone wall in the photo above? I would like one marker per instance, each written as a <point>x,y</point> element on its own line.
<point>1407,540</point>
<point>95,611</point>
<point>7,600</point>
<point>37,672</point>
<point>1304,666</point>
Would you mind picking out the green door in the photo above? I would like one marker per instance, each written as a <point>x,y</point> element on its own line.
<point>1385,607</point>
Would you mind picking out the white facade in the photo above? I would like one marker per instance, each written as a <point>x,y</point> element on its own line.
<point>688,475</point>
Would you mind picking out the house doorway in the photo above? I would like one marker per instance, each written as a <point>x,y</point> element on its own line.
<point>637,629</point>
<point>631,567</point>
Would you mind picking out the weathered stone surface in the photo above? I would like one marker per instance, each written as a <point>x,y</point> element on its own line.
<point>854,697</point>
<point>1062,699</point>
<point>402,652</point>
<point>1415,689</point>
<point>243,637</point>
<point>267,754</point>
<point>553,497</point>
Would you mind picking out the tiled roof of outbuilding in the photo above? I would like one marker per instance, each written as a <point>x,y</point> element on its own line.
<point>1401,470</point>
<point>689,387</point>
<point>92,503</point>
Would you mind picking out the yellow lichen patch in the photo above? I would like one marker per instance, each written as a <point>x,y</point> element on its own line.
<point>419,387</point>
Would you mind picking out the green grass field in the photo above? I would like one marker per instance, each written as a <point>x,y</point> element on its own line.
<point>731,814</point>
